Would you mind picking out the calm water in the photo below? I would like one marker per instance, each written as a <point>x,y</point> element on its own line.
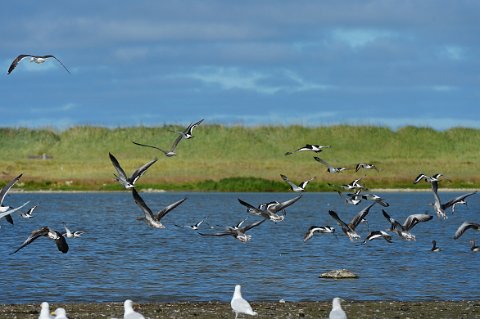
<point>122,257</point>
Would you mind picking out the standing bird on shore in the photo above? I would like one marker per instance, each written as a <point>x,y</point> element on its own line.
<point>337,311</point>
<point>309,147</point>
<point>294,187</point>
<point>60,313</point>
<point>122,178</point>
<point>39,59</point>
<point>240,305</point>
<point>45,311</point>
<point>129,313</point>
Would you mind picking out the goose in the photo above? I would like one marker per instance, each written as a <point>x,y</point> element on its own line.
<point>330,168</point>
<point>129,182</point>
<point>317,229</point>
<point>294,187</point>
<point>33,58</point>
<point>49,233</point>
<point>129,313</point>
<point>238,233</point>
<point>150,218</point>
<point>464,227</point>
<point>349,229</point>
<point>337,311</point>
<point>404,230</point>
<point>240,305</point>
<point>309,147</point>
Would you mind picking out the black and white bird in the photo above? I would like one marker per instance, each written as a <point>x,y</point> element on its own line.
<point>271,209</point>
<point>353,198</point>
<point>239,304</point>
<point>464,227</point>
<point>359,166</point>
<point>309,147</point>
<point>404,230</point>
<point>129,313</point>
<point>378,234</point>
<point>122,178</point>
<point>376,199</point>
<point>439,207</point>
<point>294,187</point>
<point>3,193</point>
<point>39,59</point>
<point>337,312</point>
<point>349,229</point>
<point>69,234</point>
<point>168,153</point>
<point>330,168</point>
<point>352,186</point>
<point>49,233</point>
<point>29,212</point>
<point>238,233</point>
<point>434,248</point>
<point>428,179</point>
<point>187,133</point>
<point>195,226</point>
<point>152,219</point>
<point>317,229</point>
<point>7,214</point>
<point>474,247</point>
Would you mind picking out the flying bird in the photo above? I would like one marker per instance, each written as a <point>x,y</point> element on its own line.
<point>439,207</point>
<point>238,233</point>
<point>122,178</point>
<point>3,193</point>
<point>129,313</point>
<point>270,210</point>
<point>365,166</point>
<point>349,229</point>
<point>464,227</point>
<point>294,187</point>
<point>33,58</point>
<point>378,234</point>
<point>187,133</point>
<point>49,233</point>
<point>317,229</point>
<point>337,311</point>
<point>69,234</point>
<point>404,230</point>
<point>426,178</point>
<point>240,305</point>
<point>152,219</point>
<point>168,153</point>
<point>330,168</point>
<point>309,147</point>
<point>376,199</point>
<point>29,212</point>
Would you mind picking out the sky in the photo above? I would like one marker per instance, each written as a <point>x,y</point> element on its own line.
<point>313,63</point>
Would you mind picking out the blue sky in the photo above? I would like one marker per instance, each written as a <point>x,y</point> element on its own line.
<point>390,63</point>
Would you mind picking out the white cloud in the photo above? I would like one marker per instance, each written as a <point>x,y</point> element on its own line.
<point>357,38</point>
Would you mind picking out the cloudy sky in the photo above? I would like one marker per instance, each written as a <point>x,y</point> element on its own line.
<point>390,63</point>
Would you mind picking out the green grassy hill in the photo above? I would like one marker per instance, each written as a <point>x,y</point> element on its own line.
<point>236,158</point>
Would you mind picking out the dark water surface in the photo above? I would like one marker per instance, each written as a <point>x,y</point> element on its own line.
<point>120,257</point>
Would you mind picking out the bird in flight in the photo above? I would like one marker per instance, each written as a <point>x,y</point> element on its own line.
<point>129,182</point>
<point>187,133</point>
<point>49,233</point>
<point>39,59</point>
<point>309,147</point>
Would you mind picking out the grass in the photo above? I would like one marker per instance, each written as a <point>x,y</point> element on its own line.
<point>237,158</point>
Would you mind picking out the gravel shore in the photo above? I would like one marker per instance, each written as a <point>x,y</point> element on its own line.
<point>277,310</point>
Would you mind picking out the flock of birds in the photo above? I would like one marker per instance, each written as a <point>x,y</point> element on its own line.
<point>353,193</point>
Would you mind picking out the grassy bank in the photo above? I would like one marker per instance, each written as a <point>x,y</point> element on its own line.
<point>238,158</point>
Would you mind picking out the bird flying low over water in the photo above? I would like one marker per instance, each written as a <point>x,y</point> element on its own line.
<point>238,233</point>
<point>376,199</point>
<point>309,147</point>
<point>9,212</point>
<point>34,58</point>
<point>122,178</point>
<point>317,229</point>
<point>271,209</point>
<point>69,234</point>
<point>188,132</point>
<point>240,305</point>
<point>294,187</point>
<point>3,193</point>
<point>29,212</point>
<point>378,234</point>
<point>404,230</point>
<point>150,218</point>
<point>49,233</point>
<point>464,227</point>
<point>330,168</point>
<point>349,229</point>
<point>439,207</point>
<point>428,179</point>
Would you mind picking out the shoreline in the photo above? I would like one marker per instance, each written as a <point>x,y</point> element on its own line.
<point>278,310</point>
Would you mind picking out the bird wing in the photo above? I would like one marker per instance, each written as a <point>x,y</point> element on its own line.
<point>456,200</point>
<point>33,236</point>
<point>117,166</point>
<point>318,159</point>
<point>16,61</point>
<point>392,221</point>
<point>168,208</point>
<point>141,170</point>
<point>419,178</point>
<point>51,56</point>
<point>414,219</point>
<point>278,207</point>
<point>251,209</point>
<point>360,216</point>
<point>190,128</point>
<point>305,183</point>
<point>285,178</point>
<point>146,145</point>
<point>464,227</point>
<point>253,225</point>
<point>175,143</point>
<point>340,222</point>
<point>141,203</point>
<point>10,211</point>
<point>435,192</point>
<point>61,243</point>
<point>7,187</point>
<point>225,233</point>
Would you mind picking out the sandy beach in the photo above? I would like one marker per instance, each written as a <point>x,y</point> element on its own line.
<point>219,310</point>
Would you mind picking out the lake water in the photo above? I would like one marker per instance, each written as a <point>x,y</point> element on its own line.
<point>120,257</point>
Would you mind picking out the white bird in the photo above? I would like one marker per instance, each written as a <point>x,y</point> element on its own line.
<point>188,132</point>
<point>297,188</point>
<point>69,234</point>
<point>317,229</point>
<point>28,213</point>
<point>439,207</point>
<point>365,166</point>
<point>237,232</point>
<point>428,179</point>
<point>122,178</point>
<point>404,230</point>
<point>464,227</point>
<point>309,147</point>
<point>129,313</point>
<point>150,218</point>
<point>270,210</point>
<point>240,305</point>
<point>3,193</point>
<point>378,234</point>
<point>45,311</point>
<point>330,168</point>
<point>33,58</point>
<point>337,311</point>
<point>60,313</point>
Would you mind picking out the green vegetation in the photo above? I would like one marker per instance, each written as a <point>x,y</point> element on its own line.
<point>236,158</point>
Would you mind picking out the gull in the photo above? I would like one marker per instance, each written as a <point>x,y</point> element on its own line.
<point>33,58</point>
<point>7,213</point>
<point>294,187</point>
<point>187,133</point>
<point>269,210</point>
<point>439,207</point>
<point>428,179</point>
<point>49,233</point>
<point>354,185</point>
<point>378,234</point>
<point>365,166</point>
<point>168,153</point>
<point>60,313</point>
<point>238,233</point>
<point>330,168</point>
<point>129,313</point>
<point>464,227</point>
<point>69,234</point>
<point>129,182</point>
<point>404,230</point>
<point>460,202</point>
<point>317,229</point>
<point>337,311</point>
<point>240,305</point>
<point>45,311</point>
<point>194,226</point>
<point>474,247</point>
<point>376,199</point>
<point>150,218</point>
<point>353,199</point>
<point>434,248</point>
<point>3,193</point>
<point>29,213</point>
<point>349,229</point>
<point>309,147</point>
